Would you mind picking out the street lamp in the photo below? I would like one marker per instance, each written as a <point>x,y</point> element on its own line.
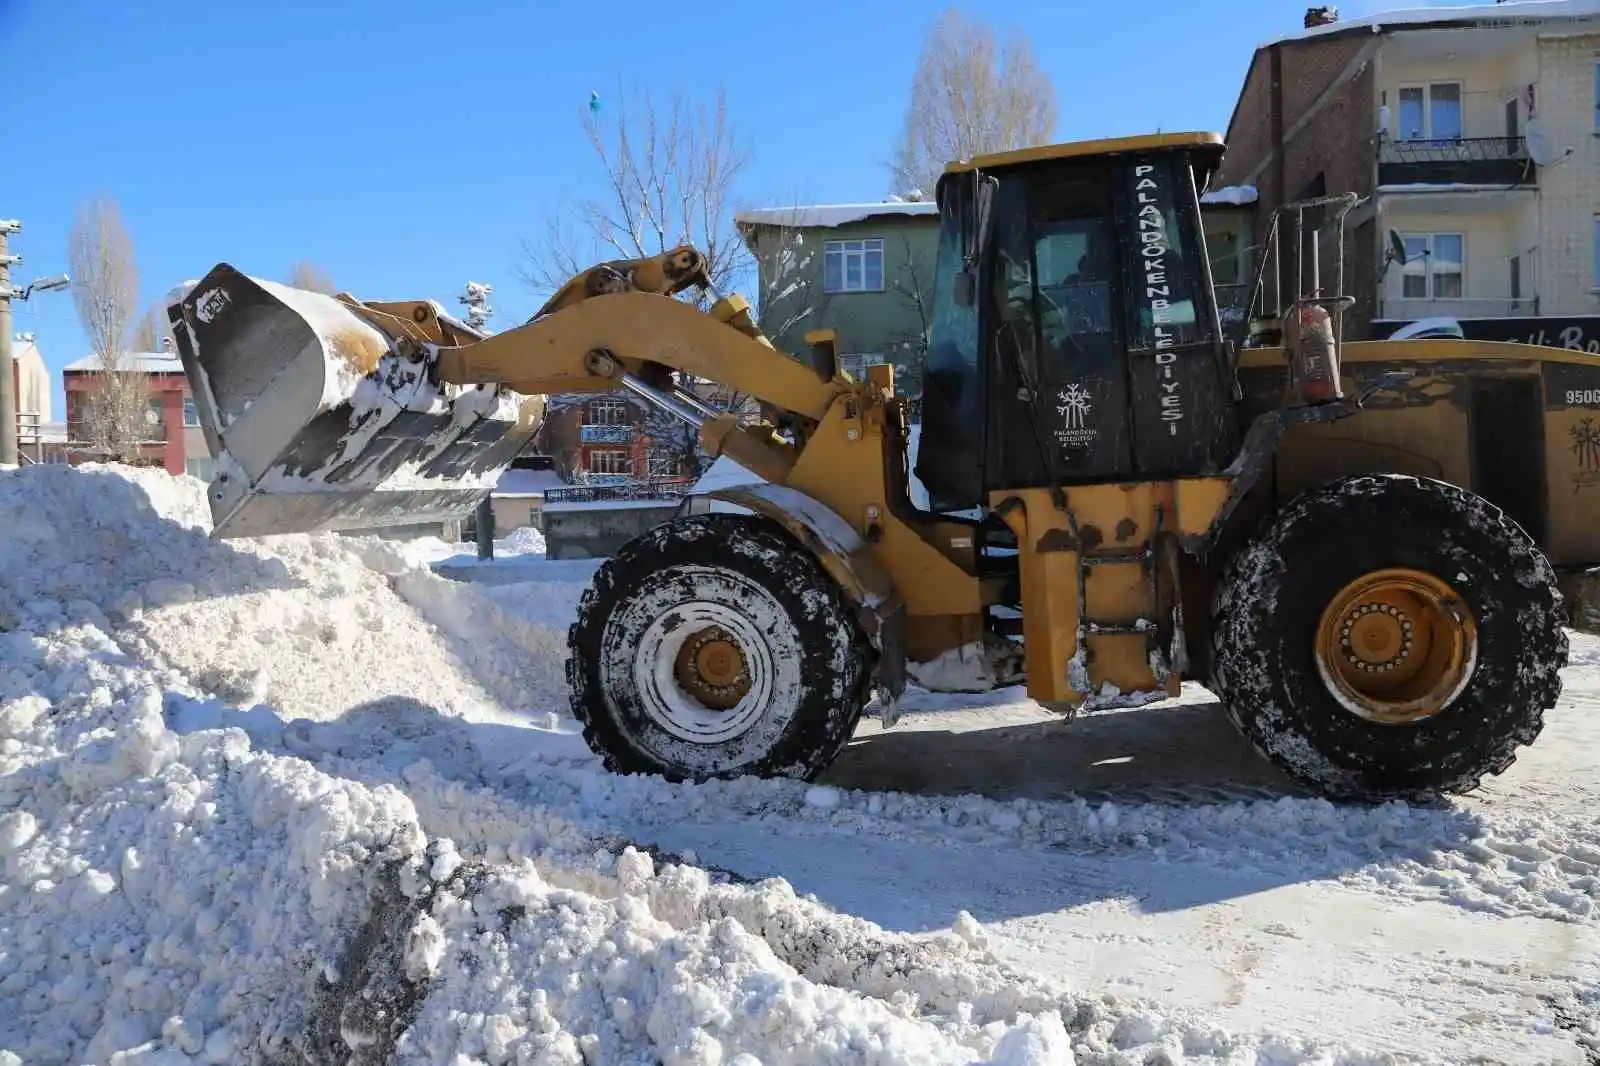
<point>8,382</point>
<point>53,283</point>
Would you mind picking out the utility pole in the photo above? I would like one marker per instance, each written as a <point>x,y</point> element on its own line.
<point>476,300</point>
<point>8,367</point>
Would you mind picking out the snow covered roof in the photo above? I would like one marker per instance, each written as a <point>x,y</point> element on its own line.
<point>23,347</point>
<point>527,483</point>
<point>1510,12</point>
<point>1235,195</point>
<point>150,362</point>
<point>826,215</point>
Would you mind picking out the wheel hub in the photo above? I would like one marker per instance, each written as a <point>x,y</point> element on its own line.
<point>712,668</point>
<point>1396,646</point>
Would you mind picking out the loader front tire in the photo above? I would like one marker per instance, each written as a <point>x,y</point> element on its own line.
<point>716,646</point>
<point>1389,637</point>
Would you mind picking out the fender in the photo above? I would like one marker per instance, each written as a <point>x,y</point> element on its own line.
<point>846,558</point>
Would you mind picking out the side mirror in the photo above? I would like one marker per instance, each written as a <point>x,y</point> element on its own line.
<point>964,288</point>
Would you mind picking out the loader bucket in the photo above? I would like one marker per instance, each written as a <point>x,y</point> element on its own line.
<point>317,422</point>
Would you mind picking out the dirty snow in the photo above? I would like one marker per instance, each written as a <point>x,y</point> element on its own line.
<point>246,787</point>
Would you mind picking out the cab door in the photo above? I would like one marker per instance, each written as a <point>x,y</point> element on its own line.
<point>1059,408</point>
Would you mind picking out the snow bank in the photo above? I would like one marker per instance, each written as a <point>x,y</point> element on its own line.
<point>163,892</point>
<point>273,800</point>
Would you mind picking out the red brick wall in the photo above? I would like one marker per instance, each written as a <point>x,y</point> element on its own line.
<point>1337,142</point>
<point>171,454</point>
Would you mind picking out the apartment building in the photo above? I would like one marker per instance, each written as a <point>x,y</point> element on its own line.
<point>1474,134</point>
<point>175,440</point>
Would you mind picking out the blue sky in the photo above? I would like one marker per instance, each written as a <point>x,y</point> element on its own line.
<point>409,146</point>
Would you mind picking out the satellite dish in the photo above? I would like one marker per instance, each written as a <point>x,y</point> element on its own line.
<point>1539,149</point>
<point>1396,253</point>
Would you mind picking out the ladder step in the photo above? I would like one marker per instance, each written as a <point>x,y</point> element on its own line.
<point>1117,558</point>
<point>1099,629</point>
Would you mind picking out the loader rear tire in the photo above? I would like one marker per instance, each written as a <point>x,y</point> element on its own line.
<point>716,646</point>
<point>1389,637</point>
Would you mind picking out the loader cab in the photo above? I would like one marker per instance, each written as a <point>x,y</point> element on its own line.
<point>1074,335</point>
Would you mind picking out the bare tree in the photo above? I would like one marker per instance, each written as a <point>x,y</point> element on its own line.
<point>669,174</point>
<point>670,169</point>
<point>309,276</point>
<point>969,97</point>
<point>116,418</point>
<point>790,296</point>
<point>913,285</point>
<point>147,334</point>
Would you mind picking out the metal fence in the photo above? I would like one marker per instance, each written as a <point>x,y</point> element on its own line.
<point>674,488</point>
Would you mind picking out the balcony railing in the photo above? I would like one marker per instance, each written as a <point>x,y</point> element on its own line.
<point>1456,161</point>
<point>627,489</point>
<point>599,434</point>
<point>1403,310</point>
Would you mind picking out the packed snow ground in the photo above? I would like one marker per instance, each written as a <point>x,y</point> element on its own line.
<point>293,796</point>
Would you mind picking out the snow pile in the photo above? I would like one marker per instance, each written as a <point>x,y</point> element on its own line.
<point>177,892</point>
<point>281,799</point>
<point>163,892</point>
<point>523,541</point>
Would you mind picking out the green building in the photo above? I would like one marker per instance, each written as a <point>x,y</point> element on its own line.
<point>865,270</point>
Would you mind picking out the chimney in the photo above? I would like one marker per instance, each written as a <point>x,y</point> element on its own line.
<point>1321,16</point>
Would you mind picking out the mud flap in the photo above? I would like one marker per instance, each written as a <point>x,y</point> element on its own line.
<point>319,421</point>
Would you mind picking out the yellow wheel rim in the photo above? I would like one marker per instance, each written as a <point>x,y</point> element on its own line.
<point>711,666</point>
<point>1396,646</point>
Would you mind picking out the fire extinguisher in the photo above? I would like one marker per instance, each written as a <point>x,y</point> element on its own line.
<point>1313,354</point>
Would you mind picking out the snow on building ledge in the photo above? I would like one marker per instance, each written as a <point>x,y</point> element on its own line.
<point>1512,12</point>
<point>822,216</point>
<point>515,483</point>
<point>1234,195</point>
<point>149,362</point>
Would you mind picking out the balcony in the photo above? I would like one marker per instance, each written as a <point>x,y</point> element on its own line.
<point>605,434</point>
<point>1501,161</point>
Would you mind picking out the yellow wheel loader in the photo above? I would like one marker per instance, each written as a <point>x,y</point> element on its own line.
<point>1110,510</point>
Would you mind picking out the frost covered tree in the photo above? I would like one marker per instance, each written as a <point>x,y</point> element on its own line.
<point>309,276</point>
<point>969,96</point>
<point>790,299</point>
<point>115,421</point>
<point>912,285</point>
<point>147,334</point>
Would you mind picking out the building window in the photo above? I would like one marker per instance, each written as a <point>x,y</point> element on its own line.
<point>856,363</point>
<point>853,266</point>
<point>200,468</point>
<point>608,413</point>
<point>152,412</point>
<point>1430,112</point>
<point>610,461</point>
<point>1435,267</point>
<point>191,414</point>
<point>1597,97</point>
